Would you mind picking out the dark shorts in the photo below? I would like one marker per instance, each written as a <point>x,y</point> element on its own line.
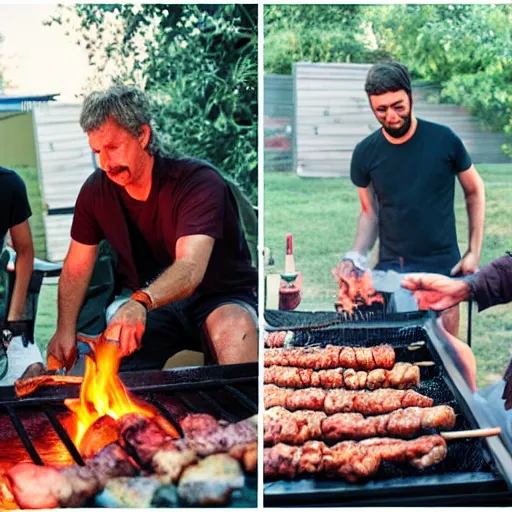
<point>180,326</point>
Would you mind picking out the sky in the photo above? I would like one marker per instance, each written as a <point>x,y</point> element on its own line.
<point>37,59</point>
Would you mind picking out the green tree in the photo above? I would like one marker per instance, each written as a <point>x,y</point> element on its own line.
<point>198,63</point>
<point>313,33</point>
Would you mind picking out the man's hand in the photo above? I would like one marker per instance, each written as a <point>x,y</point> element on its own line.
<point>468,264</point>
<point>61,351</point>
<point>127,327</point>
<point>435,291</point>
<point>343,270</point>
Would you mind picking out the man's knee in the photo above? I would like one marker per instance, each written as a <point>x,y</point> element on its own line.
<point>451,320</point>
<point>233,333</point>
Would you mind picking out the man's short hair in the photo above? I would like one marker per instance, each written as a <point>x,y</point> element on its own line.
<point>127,106</point>
<point>389,76</point>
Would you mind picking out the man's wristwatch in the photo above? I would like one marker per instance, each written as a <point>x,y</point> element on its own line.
<point>143,298</point>
<point>359,261</point>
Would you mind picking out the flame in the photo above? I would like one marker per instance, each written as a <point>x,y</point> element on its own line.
<point>102,393</point>
<point>355,291</point>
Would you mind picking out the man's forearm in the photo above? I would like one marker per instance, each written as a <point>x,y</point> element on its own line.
<point>367,228</point>
<point>178,282</point>
<point>24,266</point>
<point>492,284</point>
<point>72,289</point>
<point>475,206</point>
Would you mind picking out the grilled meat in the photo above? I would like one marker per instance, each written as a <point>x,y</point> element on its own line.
<point>211,481</point>
<point>283,426</point>
<point>36,487</point>
<point>277,339</point>
<point>170,459</point>
<point>247,455</point>
<point>351,460</point>
<point>27,386</point>
<point>331,401</point>
<point>401,376</point>
<point>317,358</point>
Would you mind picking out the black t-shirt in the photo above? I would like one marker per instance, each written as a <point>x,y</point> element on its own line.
<point>187,197</point>
<point>15,207</point>
<point>414,184</point>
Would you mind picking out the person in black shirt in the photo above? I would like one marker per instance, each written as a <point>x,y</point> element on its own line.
<point>183,266</point>
<point>15,212</point>
<point>405,176</point>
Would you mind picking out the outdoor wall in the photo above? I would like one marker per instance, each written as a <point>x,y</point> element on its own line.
<point>278,122</point>
<point>16,133</point>
<point>65,161</point>
<point>332,114</point>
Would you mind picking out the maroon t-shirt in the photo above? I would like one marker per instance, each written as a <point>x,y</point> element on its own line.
<point>187,197</point>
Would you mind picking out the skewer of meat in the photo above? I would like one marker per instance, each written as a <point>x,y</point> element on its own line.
<point>277,339</point>
<point>331,401</point>
<point>331,356</point>
<point>401,376</point>
<point>351,460</point>
<point>282,426</point>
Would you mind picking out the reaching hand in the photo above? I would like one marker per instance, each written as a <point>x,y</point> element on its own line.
<point>468,264</point>
<point>435,291</point>
<point>127,327</point>
<point>343,270</point>
<point>61,351</point>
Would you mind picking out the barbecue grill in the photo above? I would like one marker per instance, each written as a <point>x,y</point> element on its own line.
<point>475,471</point>
<point>32,429</point>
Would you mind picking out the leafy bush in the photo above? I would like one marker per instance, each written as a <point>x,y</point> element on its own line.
<point>198,64</point>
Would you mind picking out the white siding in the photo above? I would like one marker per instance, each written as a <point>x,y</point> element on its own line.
<point>65,161</point>
<point>332,114</point>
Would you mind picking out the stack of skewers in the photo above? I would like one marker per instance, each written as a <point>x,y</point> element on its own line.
<point>342,411</point>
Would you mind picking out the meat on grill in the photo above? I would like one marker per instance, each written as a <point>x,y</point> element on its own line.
<point>401,376</point>
<point>211,481</point>
<point>351,460</point>
<point>331,401</point>
<point>331,356</point>
<point>24,387</point>
<point>37,487</point>
<point>283,426</point>
<point>277,339</point>
<point>204,435</point>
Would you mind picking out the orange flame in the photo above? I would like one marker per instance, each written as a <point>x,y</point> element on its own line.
<point>355,291</point>
<point>102,393</point>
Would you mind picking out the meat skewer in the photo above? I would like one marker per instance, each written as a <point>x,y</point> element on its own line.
<point>401,376</point>
<point>277,339</point>
<point>331,401</point>
<point>282,426</point>
<point>324,358</point>
<point>351,460</point>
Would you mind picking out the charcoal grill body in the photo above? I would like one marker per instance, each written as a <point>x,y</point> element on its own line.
<point>227,392</point>
<point>475,471</point>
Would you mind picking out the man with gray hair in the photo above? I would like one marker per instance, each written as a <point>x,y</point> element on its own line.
<point>183,266</point>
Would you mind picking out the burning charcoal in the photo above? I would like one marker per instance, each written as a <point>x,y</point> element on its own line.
<point>128,492</point>
<point>166,497</point>
<point>141,437</point>
<point>211,481</point>
<point>170,460</point>
<point>104,431</point>
<point>111,462</point>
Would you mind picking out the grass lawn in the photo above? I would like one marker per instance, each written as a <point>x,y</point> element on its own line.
<point>47,306</point>
<point>322,215</point>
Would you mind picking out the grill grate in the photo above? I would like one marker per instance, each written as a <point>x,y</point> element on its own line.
<point>229,394</point>
<point>306,320</point>
<point>466,458</point>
